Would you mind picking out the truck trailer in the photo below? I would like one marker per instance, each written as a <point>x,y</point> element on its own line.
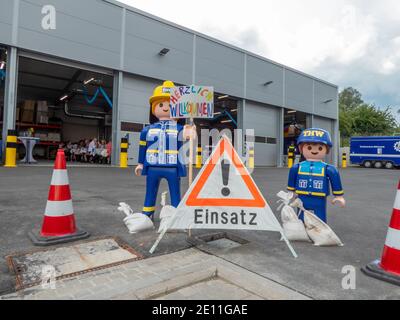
<point>375,152</point>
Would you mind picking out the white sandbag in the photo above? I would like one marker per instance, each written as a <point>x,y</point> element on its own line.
<point>165,215</point>
<point>167,212</point>
<point>125,208</point>
<point>285,197</point>
<point>288,215</point>
<point>293,227</point>
<point>319,232</point>
<point>135,222</point>
<point>138,222</point>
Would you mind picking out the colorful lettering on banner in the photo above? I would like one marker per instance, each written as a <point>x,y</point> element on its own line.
<point>192,102</point>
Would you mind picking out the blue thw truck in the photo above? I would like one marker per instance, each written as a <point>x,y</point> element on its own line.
<point>376,152</point>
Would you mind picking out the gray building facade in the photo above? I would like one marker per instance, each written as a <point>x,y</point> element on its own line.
<point>114,39</point>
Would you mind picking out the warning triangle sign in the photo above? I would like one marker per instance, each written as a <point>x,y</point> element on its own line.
<point>209,188</point>
<point>224,196</point>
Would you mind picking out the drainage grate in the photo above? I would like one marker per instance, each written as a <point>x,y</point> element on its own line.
<point>70,261</point>
<point>219,240</point>
<point>224,244</point>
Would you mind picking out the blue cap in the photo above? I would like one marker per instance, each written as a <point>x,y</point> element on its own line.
<point>315,135</point>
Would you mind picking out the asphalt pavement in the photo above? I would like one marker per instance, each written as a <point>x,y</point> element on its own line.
<point>317,273</point>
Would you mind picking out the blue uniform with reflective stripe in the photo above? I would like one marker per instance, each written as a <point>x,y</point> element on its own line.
<point>313,181</point>
<point>159,153</point>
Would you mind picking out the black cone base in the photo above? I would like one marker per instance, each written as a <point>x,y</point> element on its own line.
<point>374,270</point>
<point>41,241</point>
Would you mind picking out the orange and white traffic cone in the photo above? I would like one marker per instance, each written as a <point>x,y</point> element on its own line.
<point>59,219</point>
<point>388,268</point>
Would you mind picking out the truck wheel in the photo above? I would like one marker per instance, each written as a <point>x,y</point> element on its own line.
<point>389,165</point>
<point>367,164</point>
<point>378,165</point>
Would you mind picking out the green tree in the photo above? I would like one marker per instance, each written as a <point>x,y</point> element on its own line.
<point>368,120</point>
<point>357,118</point>
<point>350,99</point>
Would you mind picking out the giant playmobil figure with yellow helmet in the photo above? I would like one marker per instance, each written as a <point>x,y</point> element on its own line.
<point>311,180</point>
<point>160,143</point>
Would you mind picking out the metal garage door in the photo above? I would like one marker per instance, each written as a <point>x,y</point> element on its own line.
<point>265,122</point>
<point>134,110</point>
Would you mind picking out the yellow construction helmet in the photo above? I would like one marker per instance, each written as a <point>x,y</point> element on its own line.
<point>162,92</point>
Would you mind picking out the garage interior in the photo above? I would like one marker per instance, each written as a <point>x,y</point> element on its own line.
<point>225,117</point>
<point>294,123</point>
<point>63,106</point>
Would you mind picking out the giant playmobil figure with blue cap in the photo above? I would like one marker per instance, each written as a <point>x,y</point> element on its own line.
<point>160,143</point>
<point>313,179</point>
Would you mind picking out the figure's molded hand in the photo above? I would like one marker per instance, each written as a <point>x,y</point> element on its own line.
<point>340,200</point>
<point>189,132</point>
<point>138,169</point>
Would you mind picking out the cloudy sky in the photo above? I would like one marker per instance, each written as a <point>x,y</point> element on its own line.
<point>347,42</point>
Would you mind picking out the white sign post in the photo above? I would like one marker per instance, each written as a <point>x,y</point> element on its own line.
<point>189,102</point>
<point>224,199</point>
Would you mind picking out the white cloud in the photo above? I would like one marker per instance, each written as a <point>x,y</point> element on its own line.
<point>388,66</point>
<point>348,42</point>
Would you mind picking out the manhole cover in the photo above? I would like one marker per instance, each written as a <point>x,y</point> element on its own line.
<point>224,244</point>
<point>70,260</point>
<point>219,240</point>
<point>213,289</point>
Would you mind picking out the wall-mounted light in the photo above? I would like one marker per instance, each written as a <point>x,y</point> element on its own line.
<point>88,81</point>
<point>268,83</point>
<point>223,97</point>
<point>327,101</point>
<point>234,110</point>
<point>226,121</point>
<point>2,65</point>
<point>217,113</point>
<point>292,111</point>
<point>163,52</point>
<point>64,97</point>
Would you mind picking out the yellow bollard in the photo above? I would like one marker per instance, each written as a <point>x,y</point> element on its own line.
<point>251,157</point>
<point>344,160</point>
<point>123,159</point>
<point>290,160</point>
<point>199,158</point>
<point>11,149</point>
<point>291,151</point>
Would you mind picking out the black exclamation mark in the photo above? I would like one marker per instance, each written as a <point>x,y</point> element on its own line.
<point>225,178</point>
